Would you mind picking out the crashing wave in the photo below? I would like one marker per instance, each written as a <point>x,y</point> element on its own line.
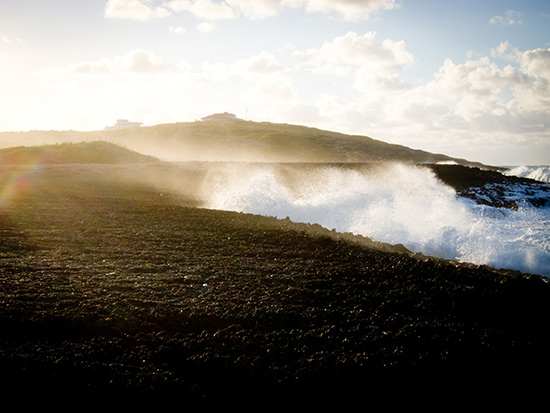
<point>397,205</point>
<point>538,172</point>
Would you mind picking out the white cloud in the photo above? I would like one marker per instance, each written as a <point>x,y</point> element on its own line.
<point>536,63</point>
<point>534,67</point>
<point>535,97</point>
<point>510,99</point>
<point>348,9</point>
<point>266,81</point>
<point>251,9</point>
<point>203,9</point>
<point>258,65</point>
<point>354,50</point>
<point>206,27</point>
<point>475,95</point>
<point>178,30</point>
<point>476,78</point>
<point>372,64</point>
<point>476,104</point>
<point>251,69</point>
<point>141,61</point>
<point>505,51</point>
<point>256,9</point>
<point>137,62</point>
<point>510,18</point>
<point>366,81</point>
<point>140,10</point>
<point>100,67</point>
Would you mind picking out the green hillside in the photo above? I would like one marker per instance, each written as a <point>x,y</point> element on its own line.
<point>64,153</point>
<point>239,140</point>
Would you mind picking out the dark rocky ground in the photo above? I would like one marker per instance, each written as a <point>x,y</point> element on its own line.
<point>109,289</point>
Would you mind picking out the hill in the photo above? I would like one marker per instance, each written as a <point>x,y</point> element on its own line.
<point>239,140</point>
<point>65,153</point>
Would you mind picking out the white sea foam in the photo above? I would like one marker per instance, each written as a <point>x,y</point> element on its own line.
<point>397,204</point>
<point>538,172</point>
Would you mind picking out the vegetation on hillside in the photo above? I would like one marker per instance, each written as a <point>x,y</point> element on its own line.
<point>64,153</point>
<point>239,140</point>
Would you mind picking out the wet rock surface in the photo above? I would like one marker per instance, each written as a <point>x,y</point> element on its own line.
<point>115,289</point>
<point>492,187</point>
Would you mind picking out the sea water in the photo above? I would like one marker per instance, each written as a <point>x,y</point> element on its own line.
<point>395,204</point>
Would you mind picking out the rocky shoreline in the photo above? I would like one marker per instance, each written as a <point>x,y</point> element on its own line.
<point>111,289</point>
<point>493,188</point>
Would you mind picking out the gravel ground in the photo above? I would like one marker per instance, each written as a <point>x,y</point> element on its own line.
<point>125,290</point>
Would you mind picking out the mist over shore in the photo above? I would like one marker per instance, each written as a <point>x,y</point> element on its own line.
<point>148,279</point>
<point>347,183</point>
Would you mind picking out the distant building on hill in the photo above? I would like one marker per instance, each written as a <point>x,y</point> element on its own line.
<point>219,116</point>
<point>123,124</point>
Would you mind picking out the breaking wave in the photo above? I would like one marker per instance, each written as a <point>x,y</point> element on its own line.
<point>539,172</point>
<point>397,204</point>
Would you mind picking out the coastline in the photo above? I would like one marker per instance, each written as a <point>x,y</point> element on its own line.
<point>117,289</point>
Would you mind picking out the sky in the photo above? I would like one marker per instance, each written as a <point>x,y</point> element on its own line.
<point>467,78</point>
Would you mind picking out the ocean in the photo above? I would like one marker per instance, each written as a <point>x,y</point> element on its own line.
<point>396,204</point>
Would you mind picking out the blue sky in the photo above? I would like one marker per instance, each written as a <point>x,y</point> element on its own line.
<point>466,78</point>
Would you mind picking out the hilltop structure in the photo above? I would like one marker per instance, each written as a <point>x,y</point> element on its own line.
<point>219,117</point>
<point>124,124</point>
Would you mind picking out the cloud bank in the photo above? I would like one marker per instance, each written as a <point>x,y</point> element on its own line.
<point>355,82</point>
<point>504,97</point>
<point>143,10</point>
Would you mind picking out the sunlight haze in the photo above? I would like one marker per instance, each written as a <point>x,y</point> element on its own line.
<point>468,79</point>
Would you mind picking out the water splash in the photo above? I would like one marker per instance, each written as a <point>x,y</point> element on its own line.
<point>539,173</point>
<point>396,204</point>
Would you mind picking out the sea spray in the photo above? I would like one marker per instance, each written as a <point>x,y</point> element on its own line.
<point>539,172</point>
<point>394,203</point>
<point>505,238</point>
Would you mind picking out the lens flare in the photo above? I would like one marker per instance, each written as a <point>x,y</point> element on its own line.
<point>15,182</point>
